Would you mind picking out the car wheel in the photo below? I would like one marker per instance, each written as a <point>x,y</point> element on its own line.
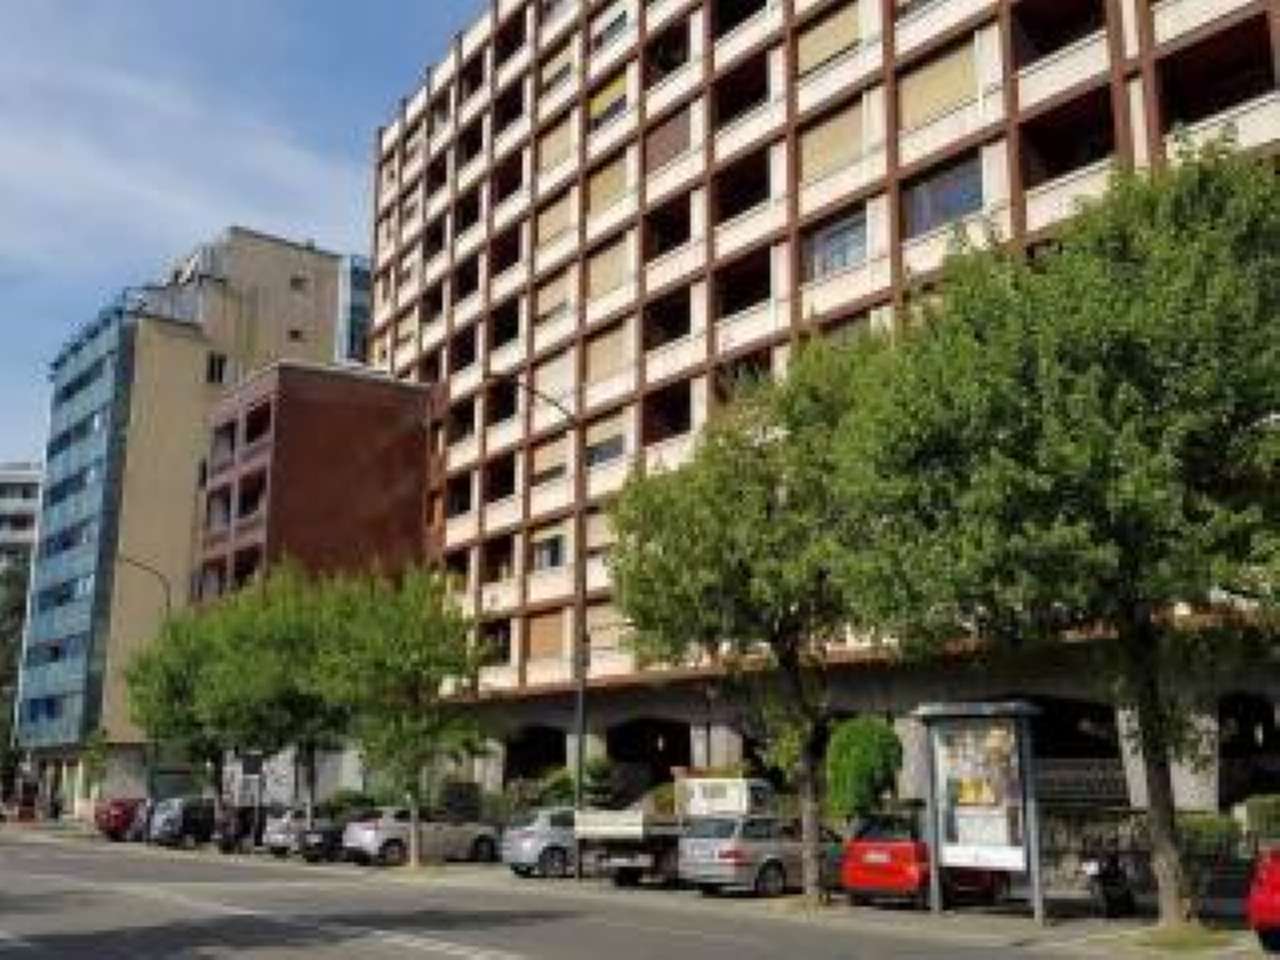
<point>484,850</point>
<point>627,877</point>
<point>858,899</point>
<point>771,881</point>
<point>520,871</point>
<point>553,862</point>
<point>393,853</point>
<point>708,889</point>
<point>1270,940</point>
<point>280,853</point>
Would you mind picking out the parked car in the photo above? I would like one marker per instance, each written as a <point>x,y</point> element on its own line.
<point>382,836</point>
<point>540,842</point>
<point>886,857</point>
<point>114,818</point>
<point>283,829</point>
<point>1264,900</point>
<point>763,854</point>
<point>140,826</point>
<point>182,820</point>
<point>322,842</point>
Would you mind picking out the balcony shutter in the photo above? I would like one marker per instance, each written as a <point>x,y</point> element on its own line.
<point>607,354</point>
<point>553,294</point>
<point>827,39</point>
<point>554,377</point>
<point>555,64</point>
<point>667,141</point>
<point>608,95</point>
<point>553,220</point>
<point>554,146</point>
<point>831,144</point>
<point>599,533</point>
<point>546,636</point>
<point>552,454</point>
<point>607,270</point>
<point>607,185</point>
<point>606,429</point>
<point>938,87</point>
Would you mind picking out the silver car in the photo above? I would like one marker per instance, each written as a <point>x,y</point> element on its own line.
<point>283,830</point>
<point>541,842</point>
<point>382,836</point>
<point>761,854</point>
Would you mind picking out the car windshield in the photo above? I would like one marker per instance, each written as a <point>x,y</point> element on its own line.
<point>712,828</point>
<point>521,820</point>
<point>886,829</point>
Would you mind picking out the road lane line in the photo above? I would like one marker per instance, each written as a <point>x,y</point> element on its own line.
<point>11,941</point>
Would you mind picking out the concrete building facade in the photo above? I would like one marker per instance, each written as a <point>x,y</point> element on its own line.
<point>131,394</point>
<point>590,216</point>
<point>19,511</point>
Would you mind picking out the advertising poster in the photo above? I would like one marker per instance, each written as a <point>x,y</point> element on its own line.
<point>980,794</point>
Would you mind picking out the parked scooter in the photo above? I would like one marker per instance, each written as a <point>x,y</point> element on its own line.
<point>1110,889</point>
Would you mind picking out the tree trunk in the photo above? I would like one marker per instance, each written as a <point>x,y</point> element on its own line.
<point>1143,681</point>
<point>415,824</point>
<point>810,822</point>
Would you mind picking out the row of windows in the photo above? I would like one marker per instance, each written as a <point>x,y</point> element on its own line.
<point>56,651</point>
<point>61,594</point>
<point>78,534</point>
<point>75,484</point>
<point>19,491</point>
<point>78,432</point>
<point>43,709</point>
<point>82,380</point>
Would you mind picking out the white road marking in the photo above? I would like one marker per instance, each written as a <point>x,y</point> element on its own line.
<point>11,941</point>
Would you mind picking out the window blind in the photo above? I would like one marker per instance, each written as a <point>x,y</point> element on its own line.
<point>831,36</point>
<point>937,87</point>
<point>831,144</point>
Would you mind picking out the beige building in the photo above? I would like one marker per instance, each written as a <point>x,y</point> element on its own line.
<point>132,393</point>
<point>590,214</point>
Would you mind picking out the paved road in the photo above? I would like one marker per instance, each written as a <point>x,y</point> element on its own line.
<point>74,899</point>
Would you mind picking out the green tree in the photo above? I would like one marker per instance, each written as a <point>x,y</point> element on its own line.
<point>1074,446</point>
<point>863,759</point>
<point>13,614</point>
<point>398,656</point>
<point>729,559</point>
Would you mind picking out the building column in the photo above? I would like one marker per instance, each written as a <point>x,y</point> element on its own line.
<point>913,778</point>
<point>1195,779</point>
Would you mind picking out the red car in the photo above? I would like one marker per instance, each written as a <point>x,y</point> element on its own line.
<point>1264,900</point>
<point>113,818</point>
<point>887,858</point>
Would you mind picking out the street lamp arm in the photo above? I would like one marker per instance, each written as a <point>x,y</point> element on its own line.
<point>160,577</point>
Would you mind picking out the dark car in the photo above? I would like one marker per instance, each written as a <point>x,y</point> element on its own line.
<point>114,818</point>
<point>322,841</point>
<point>183,820</point>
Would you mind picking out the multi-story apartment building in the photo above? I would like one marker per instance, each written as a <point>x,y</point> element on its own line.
<point>590,215</point>
<point>131,394</point>
<point>19,507</point>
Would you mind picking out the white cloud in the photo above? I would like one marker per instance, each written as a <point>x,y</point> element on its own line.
<point>103,166</point>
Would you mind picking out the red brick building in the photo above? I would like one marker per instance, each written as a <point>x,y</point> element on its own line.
<point>326,465</point>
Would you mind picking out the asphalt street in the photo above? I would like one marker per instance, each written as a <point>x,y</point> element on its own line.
<point>96,901</point>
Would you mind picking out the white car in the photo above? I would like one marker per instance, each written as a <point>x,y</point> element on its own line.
<point>283,829</point>
<point>381,835</point>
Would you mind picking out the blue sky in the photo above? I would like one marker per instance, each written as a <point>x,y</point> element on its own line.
<point>130,130</point>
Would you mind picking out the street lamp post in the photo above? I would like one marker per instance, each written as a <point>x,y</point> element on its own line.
<point>167,588</point>
<point>580,650</point>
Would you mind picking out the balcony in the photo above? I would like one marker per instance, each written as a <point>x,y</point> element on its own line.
<point>1254,123</point>
<point>832,79</point>
<point>670,454</point>
<point>515,65</point>
<point>612,301</point>
<point>1059,199</point>
<point>499,678</point>
<point>611,217</point>
<point>463,453</point>
<point>503,513</point>
<point>612,663</point>
<point>555,251</point>
<point>553,329</point>
<point>674,358</point>
<point>747,36</point>
<point>436,268</point>
<point>1177,18</point>
<point>954,125</point>
<point>466,380</point>
<point>828,294</point>
<point>547,671</point>
<point>469,240</point>
<point>613,133</point>
<point>677,175</point>
<point>751,128</point>
<point>676,265</point>
<point>750,227</point>
<point>673,88</point>
<point>826,190</point>
<point>926,253</point>
<point>504,434</point>
<point>1082,61</point>
<point>510,209</point>
<point>554,26</point>
<point>601,61</point>
<point>546,415</point>
<point>500,596</point>
<point>934,19</point>
<point>438,202</point>
<point>408,288</point>
<point>509,281</point>
<point>507,357</point>
<point>549,584</point>
<point>598,577</point>
<point>433,333</point>
<point>552,102</point>
<point>461,529</point>
<point>550,496</point>
<point>608,477</point>
<point>610,388</point>
<point>660,11</point>
<point>512,134</point>
<point>757,323</point>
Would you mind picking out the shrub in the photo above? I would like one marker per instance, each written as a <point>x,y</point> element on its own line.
<point>863,759</point>
<point>1207,834</point>
<point>1263,815</point>
<point>555,788</point>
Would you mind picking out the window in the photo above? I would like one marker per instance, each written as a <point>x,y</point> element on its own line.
<point>608,353</point>
<point>759,830</point>
<point>553,297</point>
<point>296,335</point>
<point>607,29</point>
<point>557,69</point>
<point>609,102</point>
<point>836,246</point>
<point>942,197</point>
<point>600,538</point>
<point>606,441</point>
<point>299,283</point>
<point>216,368</point>
<point>80,381</point>
<point>607,185</point>
<point>554,220</point>
<point>667,141</point>
<point>547,552</point>
<point>937,87</point>
<point>827,39</point>
<point>545,636</point>
<point>607,269</point>
<point>555,146</point>
<point>548,461</point>
<point>831,144</point>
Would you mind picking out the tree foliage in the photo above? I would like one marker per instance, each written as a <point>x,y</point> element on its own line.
<point>863,759</point>
<point>1074,446</point>
<point>729,558</point>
